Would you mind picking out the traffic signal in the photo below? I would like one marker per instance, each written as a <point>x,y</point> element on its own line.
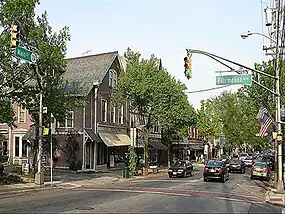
<point>14,35</point>
<point>188,67</point>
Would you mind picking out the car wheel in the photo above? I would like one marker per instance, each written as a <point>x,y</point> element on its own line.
<point>170,176</point>
<point>191,173</point>
<point>184,174</point>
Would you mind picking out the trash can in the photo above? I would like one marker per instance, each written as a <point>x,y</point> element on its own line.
<point>125,172</point>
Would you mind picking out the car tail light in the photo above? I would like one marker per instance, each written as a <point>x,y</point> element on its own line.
<point>265,170</point>
<point>253,169</point>
<point>220,170</point>
<point>205,169</point>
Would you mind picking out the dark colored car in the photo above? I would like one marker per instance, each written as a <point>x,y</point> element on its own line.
<point>215,169</point>
<point>237,165</point>
<point>181,168</point>
<point>260,170</point>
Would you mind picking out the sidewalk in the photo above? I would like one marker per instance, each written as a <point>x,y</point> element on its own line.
<point>273,197</point>
<point>92,180</point>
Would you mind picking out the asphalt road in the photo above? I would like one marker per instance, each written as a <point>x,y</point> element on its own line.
<point>185,195</point>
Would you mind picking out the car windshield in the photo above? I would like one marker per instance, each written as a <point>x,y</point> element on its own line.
<point>214,163</point>
<point>235,162</point>
<point>260,164</point>
<point>179,163</point>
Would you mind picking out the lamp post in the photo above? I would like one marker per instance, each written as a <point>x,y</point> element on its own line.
<point>279,181</point>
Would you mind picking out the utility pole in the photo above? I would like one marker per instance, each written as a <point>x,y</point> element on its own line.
<point>280,185</point>
<point>39,179</point>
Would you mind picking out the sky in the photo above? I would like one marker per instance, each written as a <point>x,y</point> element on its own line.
<point>166,28</point>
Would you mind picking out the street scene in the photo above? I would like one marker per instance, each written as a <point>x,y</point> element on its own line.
<point>118,107</point>
<point>239,194</point>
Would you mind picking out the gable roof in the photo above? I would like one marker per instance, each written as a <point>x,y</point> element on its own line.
<point>86,70</point>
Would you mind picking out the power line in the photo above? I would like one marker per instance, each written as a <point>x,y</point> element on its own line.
<point>208,89</point>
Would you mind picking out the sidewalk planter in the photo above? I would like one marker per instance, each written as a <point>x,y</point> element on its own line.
<point>126,172</point>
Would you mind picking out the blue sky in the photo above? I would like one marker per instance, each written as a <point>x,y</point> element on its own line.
<point>165,28</point>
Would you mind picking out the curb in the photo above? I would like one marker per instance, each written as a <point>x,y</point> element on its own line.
<point>275,198</point>
<point>25,189</point>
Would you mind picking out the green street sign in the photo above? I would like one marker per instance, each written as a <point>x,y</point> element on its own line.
<point>242,79</point>
<point>23,53</point>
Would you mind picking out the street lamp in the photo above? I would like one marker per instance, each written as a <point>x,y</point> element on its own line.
<point>279,183</point>
<point>245,35</point>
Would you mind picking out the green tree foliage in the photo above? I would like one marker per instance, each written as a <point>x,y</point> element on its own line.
<point>19,80</point>
<point>209,120</point>
<point>155,94</point>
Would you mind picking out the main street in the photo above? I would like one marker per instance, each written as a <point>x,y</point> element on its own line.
<point>185,195</point>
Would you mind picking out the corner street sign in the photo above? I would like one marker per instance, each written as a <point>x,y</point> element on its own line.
<point>23,53</point>
<point>242,79</point>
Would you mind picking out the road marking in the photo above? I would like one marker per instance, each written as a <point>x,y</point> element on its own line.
<point>222,196</point>
<point>69,186</point>
<point>244,188</point>
<point>170,180</point>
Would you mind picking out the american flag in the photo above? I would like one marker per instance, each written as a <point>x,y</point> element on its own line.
<point>266,119</point>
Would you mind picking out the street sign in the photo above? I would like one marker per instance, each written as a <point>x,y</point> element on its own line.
<point>242,79</point>
<point>23,53</point>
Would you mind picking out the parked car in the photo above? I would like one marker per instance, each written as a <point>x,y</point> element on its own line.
<point>260,170</point>
<point>242,156</point>
<point>226,159</point>
<point>216,170</point>
<point>270,160</point>
<point>237,165</point>
<point>249,161</point>
<point>181,168</point>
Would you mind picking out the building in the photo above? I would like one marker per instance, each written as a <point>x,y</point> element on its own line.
<point>12,137</point>
<point>103,127</point>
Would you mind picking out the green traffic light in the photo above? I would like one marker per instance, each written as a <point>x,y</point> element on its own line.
<point>186,72</point>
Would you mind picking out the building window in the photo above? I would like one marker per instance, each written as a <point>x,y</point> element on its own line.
<point>69,119</point>
<point>113,114</point>
<point>156,129</point>
<point>68,122</point>
<point>121,116</point>
<point>24,149</point>
<point>104,110</point>
<point>21,114</point>
<point>17,146</point>
<point>112,78</point>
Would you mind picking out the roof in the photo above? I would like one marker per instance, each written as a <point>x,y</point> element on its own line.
<point>87,70</point>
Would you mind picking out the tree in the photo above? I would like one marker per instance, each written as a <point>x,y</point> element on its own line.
<point>21,81</point>
<point>209,120</point>
<point>153,93</point>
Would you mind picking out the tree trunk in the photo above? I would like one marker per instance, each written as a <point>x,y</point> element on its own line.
<point>145,140</point>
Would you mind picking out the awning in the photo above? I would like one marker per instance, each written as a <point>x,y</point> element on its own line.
<point>91,135</point>
<point>30,134</point>
<point>196,147</point>
<point>112,140</point>
<point>157,144</point>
